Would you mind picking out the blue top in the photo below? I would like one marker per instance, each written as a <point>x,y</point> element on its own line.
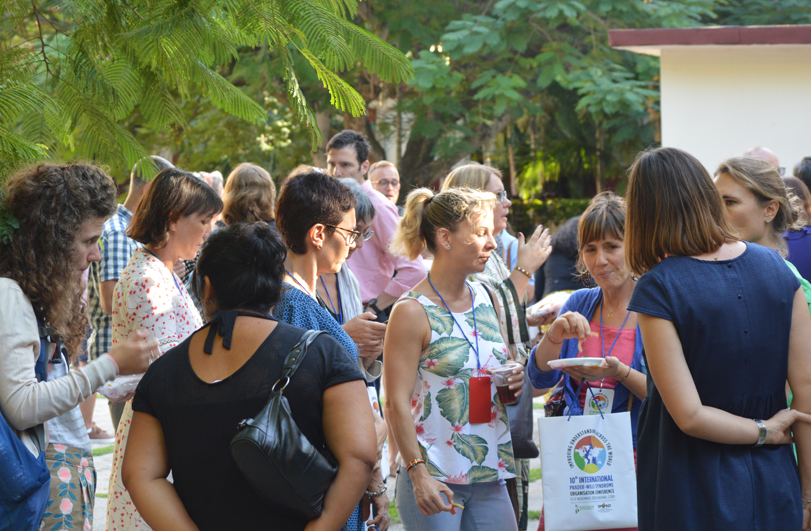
<point>584,302</point>
<point>733,318</point>
<point>299,309</point>
<point>799,250</point>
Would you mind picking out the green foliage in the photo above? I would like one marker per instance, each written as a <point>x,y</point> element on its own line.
<point>528,214</point>
<point>77,68</point>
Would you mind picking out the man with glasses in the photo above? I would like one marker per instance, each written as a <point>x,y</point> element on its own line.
<point>385,179</point>
<point>374,265</point>
<point>116,250</point>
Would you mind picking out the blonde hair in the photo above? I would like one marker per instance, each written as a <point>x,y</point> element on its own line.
<point>473,175</point>
<point>764,181</point>
<point>380,164</point>
<point>426,212</point>
<point>249,195</point>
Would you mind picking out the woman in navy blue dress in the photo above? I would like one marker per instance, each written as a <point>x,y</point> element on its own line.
<point>724,325</point>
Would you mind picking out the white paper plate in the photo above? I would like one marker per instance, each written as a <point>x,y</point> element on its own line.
<point>575,362</point>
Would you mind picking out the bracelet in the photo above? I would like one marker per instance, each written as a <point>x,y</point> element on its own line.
<point>524,271</point>
<point>626,376</point>
<point>117,370</point>
<point>556,344</point>
<point>377,493</point>
<point>414,463</point>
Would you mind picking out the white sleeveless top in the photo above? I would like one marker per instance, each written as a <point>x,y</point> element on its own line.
<point>454,450</point>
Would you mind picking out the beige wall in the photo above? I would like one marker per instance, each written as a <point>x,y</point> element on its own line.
<point>718,101</point>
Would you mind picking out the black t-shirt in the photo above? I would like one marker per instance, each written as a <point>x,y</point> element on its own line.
<point>200,419</point>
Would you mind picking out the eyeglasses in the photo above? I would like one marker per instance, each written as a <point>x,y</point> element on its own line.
<point>501,196</point>
<point>394,183</point>
<point>368,233</point>
<point>352,235</point>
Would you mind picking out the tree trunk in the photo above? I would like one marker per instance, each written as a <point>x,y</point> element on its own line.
<point>511,157</point>
<point>598,177</point>
<point>323,119</point>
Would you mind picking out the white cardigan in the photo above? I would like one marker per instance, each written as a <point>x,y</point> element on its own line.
<point>24,402</point>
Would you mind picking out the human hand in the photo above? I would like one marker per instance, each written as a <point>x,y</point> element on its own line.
<point>778,428</point>
<point>428,494</point>
<point>133,355</point>
<point>543,318</point>
<point>383,518</point>
<point>532,254</point>
<point>364,330</point>
<point>369,353</point>
<point>806,518</point>
<point>612,368</point>
<point>570,325</point>
<point>179,268</point>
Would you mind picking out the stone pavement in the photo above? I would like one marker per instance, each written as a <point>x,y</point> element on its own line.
<point>101,417</point>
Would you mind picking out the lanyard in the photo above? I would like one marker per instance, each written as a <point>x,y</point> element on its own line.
<point>340,312</point>
<point>602,337</point>
<point>299,283</point>
<point>475,328</point>
<point>174,278</point>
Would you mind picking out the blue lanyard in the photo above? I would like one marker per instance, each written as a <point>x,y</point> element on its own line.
<point>475,328</point>
<point>340,312</point>
<point>299,283</point>
<point>602,336</point>
<point>170,272</point>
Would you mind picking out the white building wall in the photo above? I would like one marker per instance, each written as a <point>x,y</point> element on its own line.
<point>718,101</point>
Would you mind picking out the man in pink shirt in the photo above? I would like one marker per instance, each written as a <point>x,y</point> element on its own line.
<point>373,264</point>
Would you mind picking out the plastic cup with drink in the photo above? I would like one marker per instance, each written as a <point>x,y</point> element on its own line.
<point>500,375</point>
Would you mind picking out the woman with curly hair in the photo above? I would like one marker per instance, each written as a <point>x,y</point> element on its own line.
<point>61,210</point>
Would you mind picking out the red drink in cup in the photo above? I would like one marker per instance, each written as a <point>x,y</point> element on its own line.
<point>500,375</point>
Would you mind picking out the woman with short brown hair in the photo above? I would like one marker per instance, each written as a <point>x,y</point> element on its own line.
<point>173,220</point>
<point>724,325</point>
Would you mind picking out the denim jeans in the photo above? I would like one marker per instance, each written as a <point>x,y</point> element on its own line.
<point>487,508</point>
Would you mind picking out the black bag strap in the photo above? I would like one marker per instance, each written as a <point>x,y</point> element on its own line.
<point>295,357</point>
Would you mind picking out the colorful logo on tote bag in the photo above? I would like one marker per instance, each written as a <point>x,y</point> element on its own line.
<point>589,454</point>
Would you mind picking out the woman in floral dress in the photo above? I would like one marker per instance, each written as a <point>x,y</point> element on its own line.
<point>173,220</point>
<point>443,338</point>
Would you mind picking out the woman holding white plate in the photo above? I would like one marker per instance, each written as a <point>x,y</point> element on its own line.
<point>595,323</point>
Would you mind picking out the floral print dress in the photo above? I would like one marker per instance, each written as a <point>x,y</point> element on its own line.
<point>456,451</point>
<point>149,297</point>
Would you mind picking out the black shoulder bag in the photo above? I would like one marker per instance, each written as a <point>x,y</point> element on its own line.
<point>283,467</point>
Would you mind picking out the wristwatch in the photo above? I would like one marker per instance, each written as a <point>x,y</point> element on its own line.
<point>763,431</point>
<point>373,305</point>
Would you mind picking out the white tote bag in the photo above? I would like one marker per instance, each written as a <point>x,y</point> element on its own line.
<point>589,478</point>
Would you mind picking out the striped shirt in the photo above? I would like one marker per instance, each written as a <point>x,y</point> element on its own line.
<point>116,251</point>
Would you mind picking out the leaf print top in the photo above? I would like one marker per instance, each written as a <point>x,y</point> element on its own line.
<point>454,450</point>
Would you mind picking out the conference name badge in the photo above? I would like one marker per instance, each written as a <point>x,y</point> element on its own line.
<point>602,400</point>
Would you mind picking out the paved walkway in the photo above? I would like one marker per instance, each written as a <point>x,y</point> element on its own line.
<point>104,463</point>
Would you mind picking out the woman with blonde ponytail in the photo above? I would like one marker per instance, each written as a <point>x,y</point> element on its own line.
<point>442,343</point>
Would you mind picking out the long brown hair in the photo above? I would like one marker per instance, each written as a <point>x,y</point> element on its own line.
<point>52,202</point>
<point>673,208</point>
<point>249,196</point>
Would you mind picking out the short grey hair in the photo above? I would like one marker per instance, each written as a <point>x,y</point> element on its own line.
<point>364,209</point>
